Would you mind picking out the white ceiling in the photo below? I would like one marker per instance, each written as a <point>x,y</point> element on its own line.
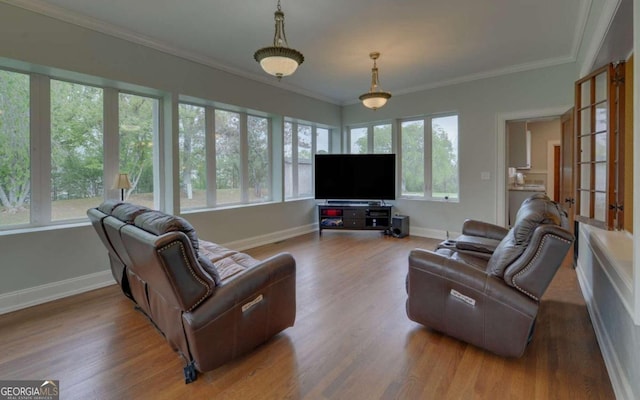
<point>423,43</point>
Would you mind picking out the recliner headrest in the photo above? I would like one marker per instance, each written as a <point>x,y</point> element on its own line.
<point>535,211</point>
<point>127,212</point>
<point>107,206</point>
<point>159,223</point>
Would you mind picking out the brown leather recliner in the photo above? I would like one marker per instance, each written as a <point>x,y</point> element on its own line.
<point>491,303</point>
<point>212,304</point>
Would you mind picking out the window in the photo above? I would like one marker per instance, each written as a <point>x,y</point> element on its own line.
<point>301,142</point>
<point>138,129</point>
<point>374,138</point>
<point>227,157</point>
<point>382,139</point>
<point>599,165</point>
<point>358,141</point>
<point>53,158</point>
<point>192,153</point>
<point>259,161</point>
<point>15,167</point>
<point>77,159</point>
<point>305,171</point>
<point>430,157</point>
<point>234,167</point>
<point>322,140</point>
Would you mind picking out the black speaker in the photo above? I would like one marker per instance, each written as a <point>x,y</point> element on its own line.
<point>400,226</point>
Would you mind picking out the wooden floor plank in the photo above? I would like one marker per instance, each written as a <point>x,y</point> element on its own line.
<point>352,340</point>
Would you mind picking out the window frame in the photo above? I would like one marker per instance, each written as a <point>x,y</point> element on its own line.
<point>295,195</point>
<point>427,121</point>
<point>370,134</point>
<point>210,155</point>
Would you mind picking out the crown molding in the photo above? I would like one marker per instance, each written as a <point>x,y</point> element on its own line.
<point>119,32</point>
<point>600,33</point>
<point>41,7</point>
<point>481,75</point>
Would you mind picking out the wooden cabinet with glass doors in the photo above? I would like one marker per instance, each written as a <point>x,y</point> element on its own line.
<point>599,161</point>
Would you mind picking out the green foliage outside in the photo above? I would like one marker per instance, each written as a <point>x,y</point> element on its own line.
<point>15,184</point>
<point>77,155</point>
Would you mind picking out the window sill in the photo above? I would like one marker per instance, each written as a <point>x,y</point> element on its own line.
<point>54,227</point>
<point>430,199</point>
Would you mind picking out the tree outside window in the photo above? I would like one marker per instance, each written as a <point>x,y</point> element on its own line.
<point>138,126</point>
<point>77,159</point>
<point>192,144</point>
<point>430,157</point>
<point>15,168</point>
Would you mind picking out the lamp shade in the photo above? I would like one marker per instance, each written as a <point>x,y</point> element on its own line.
<point>375,100</point>
<point>123,182</point>
<point>279,61</point>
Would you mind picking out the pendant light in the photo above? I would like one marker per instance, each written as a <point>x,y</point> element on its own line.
<point>374,98</point>
<point>279,60</point>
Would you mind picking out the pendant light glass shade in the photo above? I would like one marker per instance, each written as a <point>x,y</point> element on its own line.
<point>375,98</point>
<point>279,60</point>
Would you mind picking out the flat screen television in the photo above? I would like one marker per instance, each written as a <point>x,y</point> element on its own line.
<point>355,176</point>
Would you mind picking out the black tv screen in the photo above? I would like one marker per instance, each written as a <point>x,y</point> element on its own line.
<point>355,176</point>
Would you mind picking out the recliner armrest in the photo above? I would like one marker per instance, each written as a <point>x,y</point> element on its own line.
<point>244,288</point>
<point>473,227</point>
<point>477,282</point>
<point>481,246</point>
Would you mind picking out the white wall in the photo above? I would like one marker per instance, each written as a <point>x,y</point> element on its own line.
<point>479,105</point>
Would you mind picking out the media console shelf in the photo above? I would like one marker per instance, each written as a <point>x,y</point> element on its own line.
<point>354,216</point>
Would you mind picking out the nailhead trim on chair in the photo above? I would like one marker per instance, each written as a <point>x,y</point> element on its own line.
<point>186,260</point>
<point>513,280</point>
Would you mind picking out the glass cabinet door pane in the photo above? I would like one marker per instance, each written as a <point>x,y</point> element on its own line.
<point>601,87</point>
<point>584,203</point>
<point>600,206</point>
<point>585,93</point>
<point>602,118</point>
<point>585,176</point>
<point>601,147</point>
<point>601,176</point>
<point>585,121</point>
<point>585,149</point>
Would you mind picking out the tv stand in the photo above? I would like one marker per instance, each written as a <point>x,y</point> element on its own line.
<point>347,215</point>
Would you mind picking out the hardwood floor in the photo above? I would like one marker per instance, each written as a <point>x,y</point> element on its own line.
<point>352,340</point>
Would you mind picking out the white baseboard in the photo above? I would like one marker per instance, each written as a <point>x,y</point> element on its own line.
<point>24,298</point>
<point>618,378</point>
<point>271,237</point>
<point>432,233</point>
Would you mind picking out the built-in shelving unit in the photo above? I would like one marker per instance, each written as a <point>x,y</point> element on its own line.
<point>354,216</point>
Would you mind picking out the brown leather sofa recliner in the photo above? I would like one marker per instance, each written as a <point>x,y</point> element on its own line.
<point>491,302</point>
<point>212,304</point>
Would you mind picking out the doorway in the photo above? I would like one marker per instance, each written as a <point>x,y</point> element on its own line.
<point>502,180</point>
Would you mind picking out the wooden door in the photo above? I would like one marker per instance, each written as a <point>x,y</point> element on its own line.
<point>567,187</point>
